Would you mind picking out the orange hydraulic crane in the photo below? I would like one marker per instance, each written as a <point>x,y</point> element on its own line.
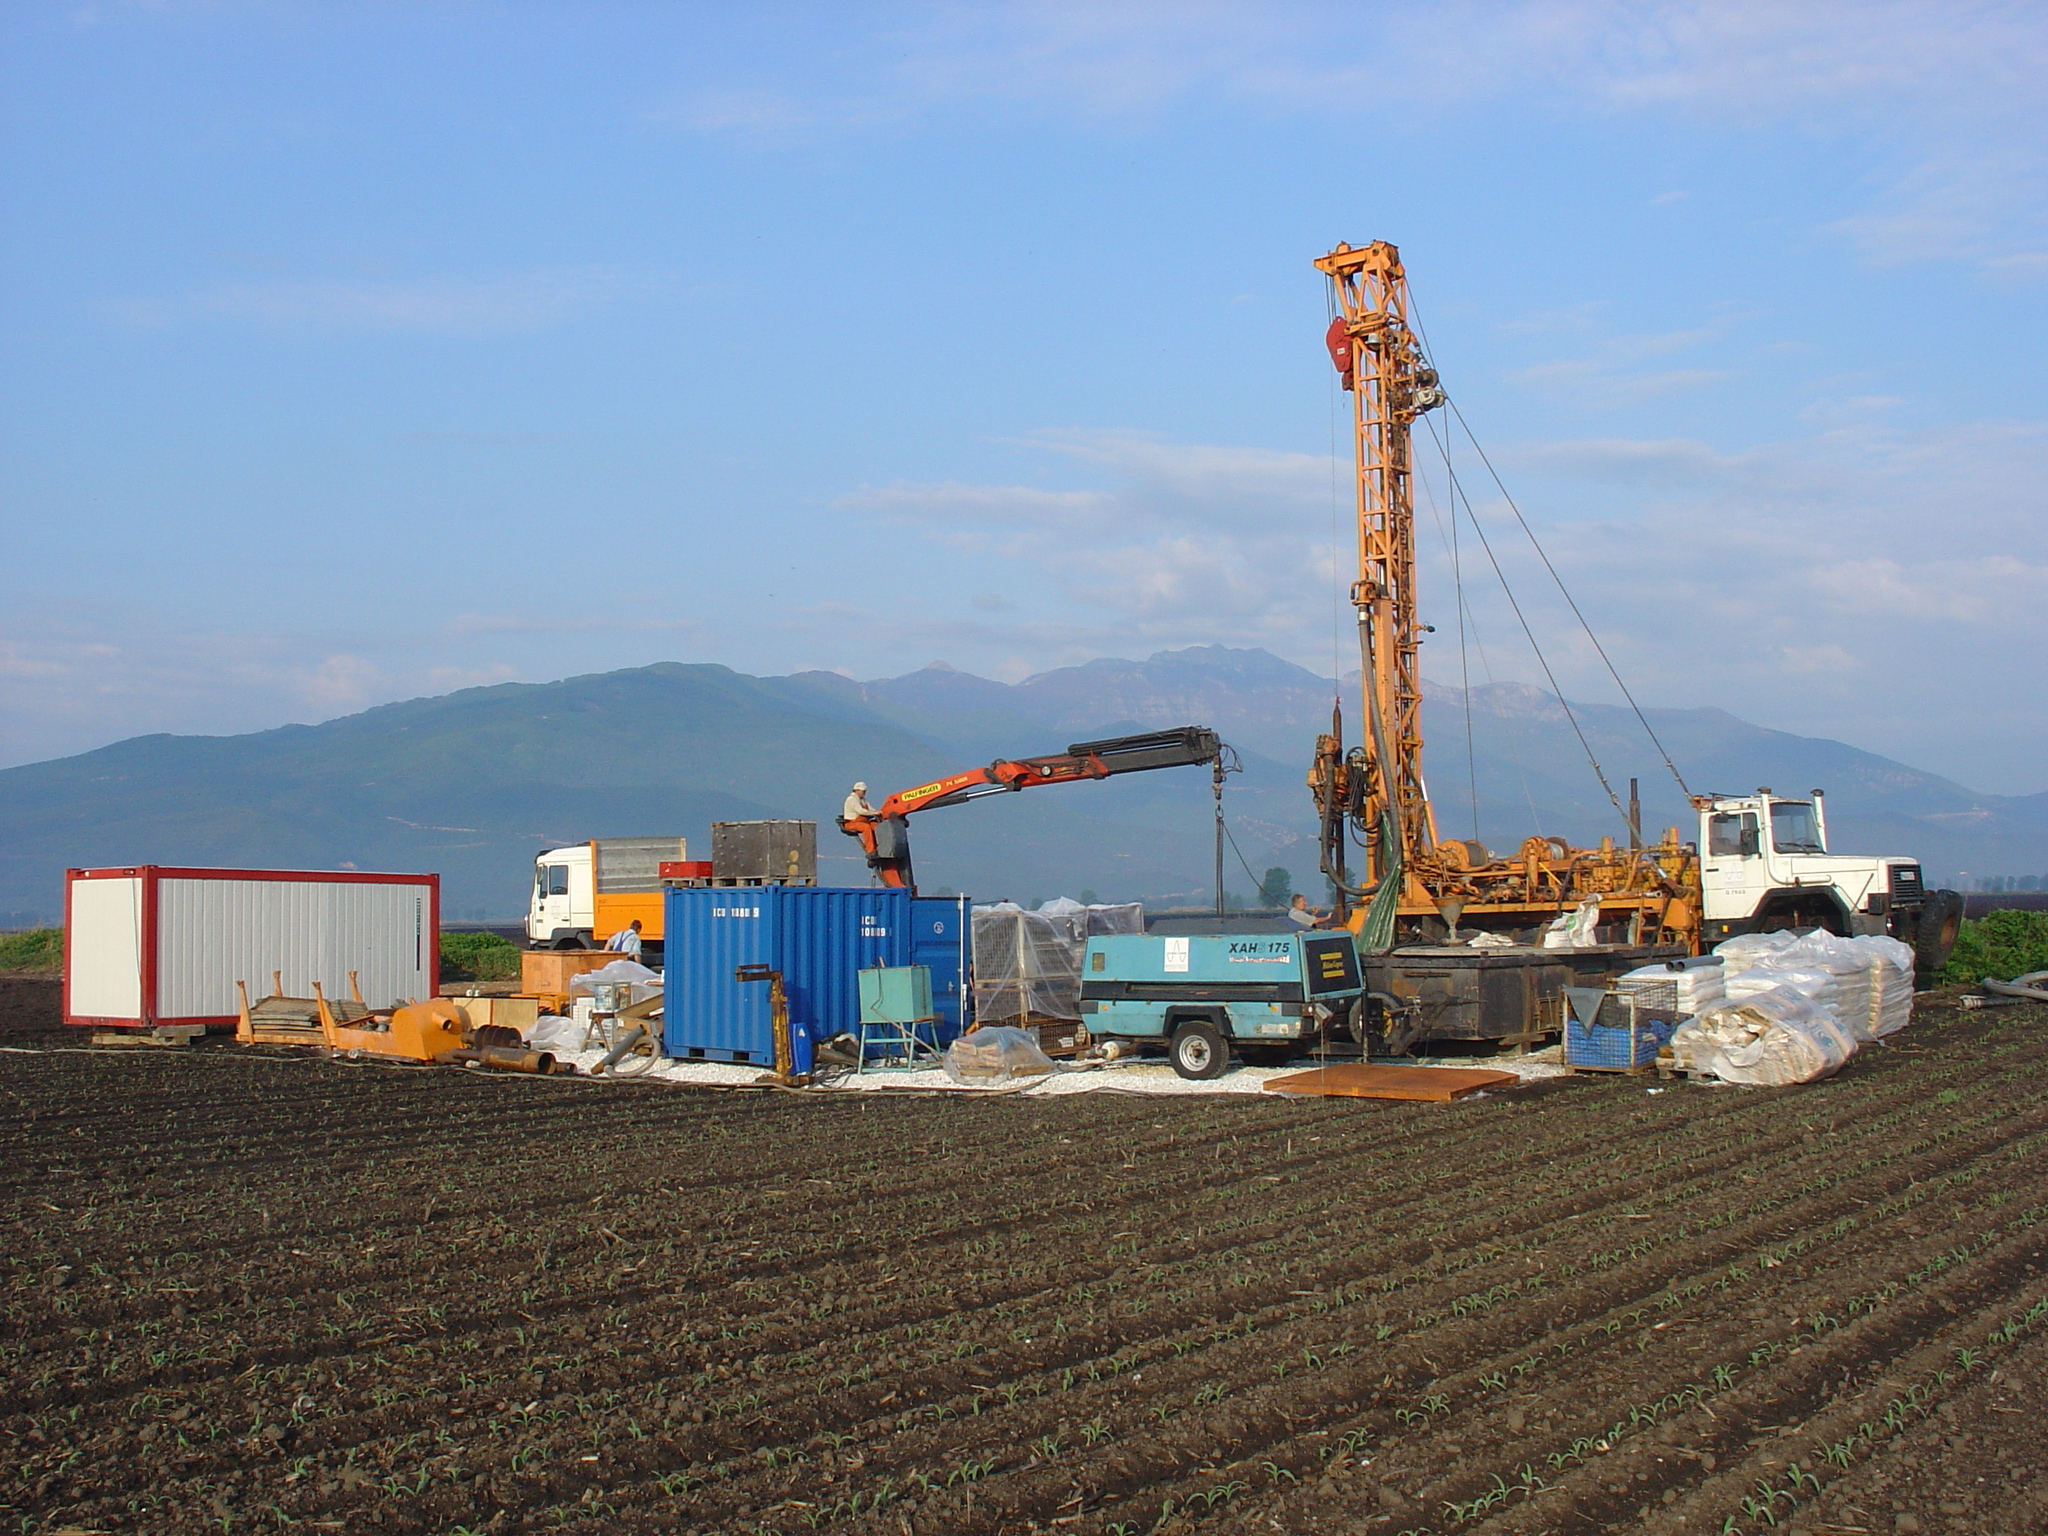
<point>885,836</point>
<point>1416,884</point>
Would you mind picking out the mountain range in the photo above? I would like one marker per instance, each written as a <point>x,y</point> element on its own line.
<point>474,783</point>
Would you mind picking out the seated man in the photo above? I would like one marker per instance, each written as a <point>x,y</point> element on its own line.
<point>1302,915</point>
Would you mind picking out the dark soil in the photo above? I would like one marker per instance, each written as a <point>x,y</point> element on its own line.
<point>248,1290</point>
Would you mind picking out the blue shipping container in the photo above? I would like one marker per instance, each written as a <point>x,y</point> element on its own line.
<point>819,937</point>
<point>942,940</point>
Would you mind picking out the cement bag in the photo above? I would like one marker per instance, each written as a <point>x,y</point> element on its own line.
<point>1576,929</point>
<point>1749,949</point>
<point>1812,982</point>
<point>996,1055</point>
<point>554,1032</point>
<point>1854,967</point>
<point>1772,1040</point>
<point>1891,989</point>
<point>1692,986</point>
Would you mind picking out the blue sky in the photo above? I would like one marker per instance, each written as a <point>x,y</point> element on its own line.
<point>353,352</point>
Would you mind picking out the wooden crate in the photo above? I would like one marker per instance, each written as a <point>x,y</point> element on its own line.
<point>546,973</point>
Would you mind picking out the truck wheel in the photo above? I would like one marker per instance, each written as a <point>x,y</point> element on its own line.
<point>1941,920</point>
<point>1198,1052</point>
<point>569,941</point>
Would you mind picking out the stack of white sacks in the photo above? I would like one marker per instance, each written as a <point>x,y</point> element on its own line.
<point>1689,986</point>
<point>1796,1008</point>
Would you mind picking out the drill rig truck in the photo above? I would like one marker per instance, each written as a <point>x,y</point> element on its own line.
<point>1759,862</point>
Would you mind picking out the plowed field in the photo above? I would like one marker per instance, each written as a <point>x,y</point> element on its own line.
<point>246,1291</point>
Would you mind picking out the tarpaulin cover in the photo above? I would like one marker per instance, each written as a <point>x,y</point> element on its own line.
<point>1770,1040</point>
<point>1028,963</point>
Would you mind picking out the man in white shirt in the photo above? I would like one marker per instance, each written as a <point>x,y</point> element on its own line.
<point>1302,915</point>
<point>857,805</point>
<point>626,941</point>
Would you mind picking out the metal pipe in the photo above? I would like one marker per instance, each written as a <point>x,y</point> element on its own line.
<point>620,1051</point>
<point>505,1058</point>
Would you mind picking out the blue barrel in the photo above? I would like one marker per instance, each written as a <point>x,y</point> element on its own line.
<point>819,937</point>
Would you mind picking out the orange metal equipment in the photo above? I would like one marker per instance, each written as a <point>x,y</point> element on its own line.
<point>1416,885</point>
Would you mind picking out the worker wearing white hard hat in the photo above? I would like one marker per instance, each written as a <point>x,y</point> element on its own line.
<point>857,804</point>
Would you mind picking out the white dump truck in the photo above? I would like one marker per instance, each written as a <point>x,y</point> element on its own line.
<point>1764,863</point>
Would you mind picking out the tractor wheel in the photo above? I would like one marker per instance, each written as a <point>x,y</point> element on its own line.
<point>1197,1051</point>
<point>1941,920</point>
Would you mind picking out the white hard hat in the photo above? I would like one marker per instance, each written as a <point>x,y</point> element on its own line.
<point>861,788</point>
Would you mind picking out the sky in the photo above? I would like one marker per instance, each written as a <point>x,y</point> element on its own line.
<point>353,352</point>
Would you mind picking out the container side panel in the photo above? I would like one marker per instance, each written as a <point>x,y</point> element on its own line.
<point>825,936</point>
<point>103,956</point>
<point>941,934</point>
<point>213,933</point>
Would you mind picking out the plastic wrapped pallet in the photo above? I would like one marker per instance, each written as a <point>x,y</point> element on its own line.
<point>1747,950</point>
<point>1874,976</point>
<point>1693,986</point>
<point>1116,917</point>
<point>1027,964</point>
<point>995,1055</point>
<point>1770,1040</point>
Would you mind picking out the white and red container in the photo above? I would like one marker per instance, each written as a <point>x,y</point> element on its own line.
<point>151,945</point>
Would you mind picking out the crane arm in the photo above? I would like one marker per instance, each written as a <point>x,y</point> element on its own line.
<point>884,837</point>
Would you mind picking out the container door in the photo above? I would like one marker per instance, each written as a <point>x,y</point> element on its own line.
<point>824,938</point>
<point>707,1014</point>
<point>940,938</point>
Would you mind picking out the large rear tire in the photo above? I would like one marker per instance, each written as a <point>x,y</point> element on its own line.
<point>1940,924</point>
<point>1197,1051</point>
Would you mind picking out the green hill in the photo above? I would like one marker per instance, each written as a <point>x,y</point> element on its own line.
<point>472,784</point>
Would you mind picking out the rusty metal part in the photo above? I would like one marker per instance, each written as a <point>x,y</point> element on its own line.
<point>785,1073</point>
<point>1429,1085</point>
<point>621,1051</point>
<point>502,1058</point>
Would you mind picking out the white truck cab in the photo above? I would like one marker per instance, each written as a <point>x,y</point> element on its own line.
<point>1764,864</point>
<point>564,898</point>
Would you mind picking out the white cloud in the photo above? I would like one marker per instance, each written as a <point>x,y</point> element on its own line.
<point>1872,582</point>
<point>1945,97</point>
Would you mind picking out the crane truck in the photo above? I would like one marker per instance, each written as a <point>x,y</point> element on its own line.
<point>1759,861</point>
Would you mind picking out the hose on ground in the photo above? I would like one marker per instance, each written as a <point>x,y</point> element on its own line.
<point>2030,986</point>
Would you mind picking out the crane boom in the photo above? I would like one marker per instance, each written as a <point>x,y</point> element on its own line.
<point>885,836</point>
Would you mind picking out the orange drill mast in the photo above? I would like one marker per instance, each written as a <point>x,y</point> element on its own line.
<point>1415,884</point>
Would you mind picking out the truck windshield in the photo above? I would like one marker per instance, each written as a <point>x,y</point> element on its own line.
<point>1794,827</point>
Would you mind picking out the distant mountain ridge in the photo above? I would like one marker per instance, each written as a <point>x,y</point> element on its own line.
<point>473,783</point>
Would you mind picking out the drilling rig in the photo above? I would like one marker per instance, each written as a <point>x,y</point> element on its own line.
<point>1767,862</point>
<point>1416,887</point>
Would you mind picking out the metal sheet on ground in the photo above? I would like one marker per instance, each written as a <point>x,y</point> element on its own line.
<point>1352,1080</point>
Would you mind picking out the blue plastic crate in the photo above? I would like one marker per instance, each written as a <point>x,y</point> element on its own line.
<point>1619,1047</point>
